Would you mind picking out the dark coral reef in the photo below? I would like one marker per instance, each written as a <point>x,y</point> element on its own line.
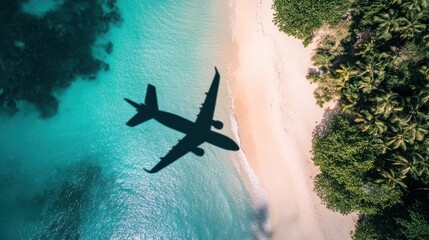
<point>41,54</point>
<point>55,209</point>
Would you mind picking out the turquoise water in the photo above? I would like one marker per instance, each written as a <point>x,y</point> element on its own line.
<point>80,174</point>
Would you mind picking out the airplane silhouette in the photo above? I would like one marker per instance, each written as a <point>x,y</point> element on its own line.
<point>196,132</point>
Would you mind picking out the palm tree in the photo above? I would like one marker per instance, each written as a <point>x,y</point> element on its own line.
<point>403,163</point>
<point>415,131</point>
<point>391,178</point>
<point>368,84</point>
<point>345,72</point>
<point>387,103</point>
<point>414,112</point>
<point>372,68</point>
<point>425,71</point>
<point>426,39</point>
<point>387,22</point>
<point>423,147</point>
<point>415,5</point>
<point>420,164</point>
<point>351,96</point>
<point>370,123</point>
<point>381,143</point>
<point>399,2</point>
<point>424,94</point>
<point>367,48</point>
<point>398,138</point>
<point>410,27</point>
<point>415,163</point>
<point>391,58</point>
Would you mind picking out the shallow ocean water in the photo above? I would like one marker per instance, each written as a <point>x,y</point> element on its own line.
<point>80,173</point>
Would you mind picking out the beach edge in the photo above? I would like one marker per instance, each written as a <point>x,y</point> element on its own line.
<point>276,113</point>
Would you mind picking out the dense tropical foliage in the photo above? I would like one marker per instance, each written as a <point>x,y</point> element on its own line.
<point>348,158</point>
<point>378,145</point>
<point>409,222</point>
<point>301,18</point>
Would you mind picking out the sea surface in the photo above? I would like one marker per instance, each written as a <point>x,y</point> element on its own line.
<point>79,174</point>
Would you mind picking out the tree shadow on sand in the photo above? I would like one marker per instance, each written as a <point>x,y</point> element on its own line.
<point>321,128</point>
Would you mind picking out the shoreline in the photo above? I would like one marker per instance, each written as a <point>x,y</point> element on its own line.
<point>276,113</point>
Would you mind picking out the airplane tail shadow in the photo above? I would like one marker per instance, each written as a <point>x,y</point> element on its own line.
<point>145,111</point>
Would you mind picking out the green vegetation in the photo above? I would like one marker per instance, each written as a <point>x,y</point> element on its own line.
<point>301,18</point>
<point>347,158</point>
<point>411,222</point>
<point>374,156</point>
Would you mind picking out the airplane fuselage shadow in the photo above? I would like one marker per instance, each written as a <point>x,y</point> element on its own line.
<point>188,127</point>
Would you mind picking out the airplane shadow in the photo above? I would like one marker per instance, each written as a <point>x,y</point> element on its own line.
<point>196,132</point>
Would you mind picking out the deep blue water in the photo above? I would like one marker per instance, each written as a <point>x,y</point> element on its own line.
<point>80,173</point>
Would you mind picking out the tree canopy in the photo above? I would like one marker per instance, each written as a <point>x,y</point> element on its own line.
<point>347,158</point>
<point>300,18</point>
<point>374,157</point>
<point>410,222</point>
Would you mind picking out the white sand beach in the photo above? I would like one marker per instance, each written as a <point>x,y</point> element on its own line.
<point>276,114</point>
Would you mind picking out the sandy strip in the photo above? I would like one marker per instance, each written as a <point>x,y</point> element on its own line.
<point>276,114</point>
